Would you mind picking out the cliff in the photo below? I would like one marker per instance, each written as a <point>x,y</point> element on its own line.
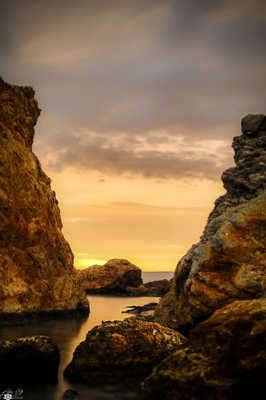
<point>229,261</point>
<point>36,269</point>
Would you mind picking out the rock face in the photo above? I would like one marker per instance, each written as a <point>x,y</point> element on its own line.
<point>36,270</point>
<point>113,277</point>
<point>229,261</point>
<point>121,350</point>
<point>29,359</point>
<point>225,358</point>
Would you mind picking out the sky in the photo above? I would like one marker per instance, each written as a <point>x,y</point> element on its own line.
<point>140,102</point>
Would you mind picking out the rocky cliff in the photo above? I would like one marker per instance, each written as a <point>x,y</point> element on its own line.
<point>36,268</point>
<point>229,261</point>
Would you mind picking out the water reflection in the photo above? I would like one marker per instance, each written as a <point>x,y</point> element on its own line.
<point>68,334</point>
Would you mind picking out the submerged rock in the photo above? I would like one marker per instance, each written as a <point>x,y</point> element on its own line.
<point>229,261</point>
<point>113,277</point>
<point>36,270</point>
<point>121,351</point>
<point>28,360</point>
<point>225,358</point>
<point>154,288</point>
<point>144,313</point>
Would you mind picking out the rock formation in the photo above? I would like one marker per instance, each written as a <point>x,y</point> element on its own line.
<point>154,288</point>
<point>121,350</point>
<point>229,261</point>
<point>36,269</point>
<point>111,278</point>
<point>29,359</point>
<point>225,358</point>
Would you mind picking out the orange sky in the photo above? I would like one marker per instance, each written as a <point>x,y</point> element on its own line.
<point>151,223</point>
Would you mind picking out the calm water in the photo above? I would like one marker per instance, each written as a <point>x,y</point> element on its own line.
<point>70,332</point>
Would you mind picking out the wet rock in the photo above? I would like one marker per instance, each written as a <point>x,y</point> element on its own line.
<point>229,261</point>
<point>111,278</point>
<point>36,271</point>
<point>154,288</point>
<point>224,359</point>
<point>121,351</point>
<point>28,360</point>
<point>144,313</point>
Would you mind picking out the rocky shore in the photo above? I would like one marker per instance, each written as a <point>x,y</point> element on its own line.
<point>217,299</point>
<point>207,339</point>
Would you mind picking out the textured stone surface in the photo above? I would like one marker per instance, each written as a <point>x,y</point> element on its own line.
<point>229,261</point>
<point>224,359</point>
<point>113,277</point>
<point>36,269</point>
<point>29,359</point>
<point>120,350</point>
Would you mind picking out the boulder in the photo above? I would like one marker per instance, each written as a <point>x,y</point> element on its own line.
<point>251,124</point>
<point>224,359</point>
<point>36,270</point>
<point>111,278</point>
<point>29,359</point>
<point>229,261</point>
<point>121,351</point>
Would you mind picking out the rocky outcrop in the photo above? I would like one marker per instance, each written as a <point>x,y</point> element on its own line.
<point>225,358</point>
<point>154,289</point>
<point>111,278</point>
<point>229,261</point>
<point>36,269</point>
<point>144,313</point>
<point>121,351</point>
<point>29,359</point>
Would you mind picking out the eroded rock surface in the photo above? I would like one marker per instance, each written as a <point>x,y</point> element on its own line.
<point>224,359</point>
<point>36,269</point>
<point>229,261</point>
<point>121,350</point>
<point>113,277</point>
<point>28,360</point>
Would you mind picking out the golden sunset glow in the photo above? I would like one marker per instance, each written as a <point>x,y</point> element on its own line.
<point>140,102</point>
<point>150,223</point>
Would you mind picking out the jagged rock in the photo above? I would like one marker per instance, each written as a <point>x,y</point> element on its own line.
<point>36,270</point>
<point>113,277</point>
<point>29,359</point>
<point>154,288</point>
<point>253,123</point>
<point>229,261</point>
<point>224,359</point>
<point>120,351</point>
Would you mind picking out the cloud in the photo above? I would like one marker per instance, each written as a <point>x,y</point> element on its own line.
<point>117,154</point>
<point>190,69</point>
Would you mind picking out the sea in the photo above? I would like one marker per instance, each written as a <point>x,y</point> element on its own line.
<point>68,333</point>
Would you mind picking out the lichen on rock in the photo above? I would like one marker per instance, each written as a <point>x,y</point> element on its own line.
<point>121,350</point>
<point>224,358</point>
